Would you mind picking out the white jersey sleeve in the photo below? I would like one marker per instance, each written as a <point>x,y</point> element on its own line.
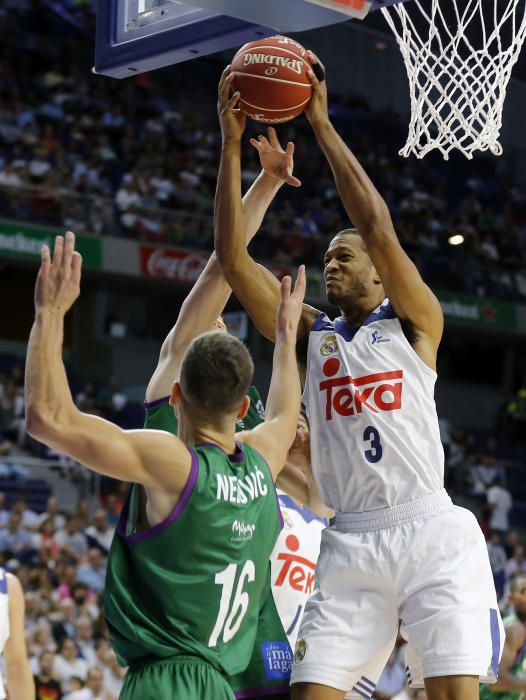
<point>375,440</point>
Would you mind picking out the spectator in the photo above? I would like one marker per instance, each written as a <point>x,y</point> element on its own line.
<point>72,540</point>
<point>46,543</point>
<point>14,540</point>
<point>113,509</point>
<point>517,564</point>
<point>85,601</point>
<point>67,664</point>
<point>52,513</point>
<point>85,641</point>
<point>93,572</point>
<point>63,620</point>
<point>29,519</point>
<point>47,687</point>
<point>497,560</point>
<point>4,513</point>
<point>113,673</point>
<point>93,689</point>
<point>100,534</point>
<point>500,504</point>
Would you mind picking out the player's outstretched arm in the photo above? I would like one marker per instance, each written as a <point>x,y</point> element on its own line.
<point>256,288</point>
<point>410,296</point>
<point>20,684</point>
<point>274,437</point>
<point>210,293</point>
<point>508,682</point>
<point>152,458</point>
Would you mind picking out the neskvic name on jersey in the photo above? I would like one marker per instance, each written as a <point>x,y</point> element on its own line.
<point>374,432</point>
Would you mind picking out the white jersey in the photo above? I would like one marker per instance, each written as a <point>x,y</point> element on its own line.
<point>293,562</point>
<point>4,621</point>
<point>374,434</point>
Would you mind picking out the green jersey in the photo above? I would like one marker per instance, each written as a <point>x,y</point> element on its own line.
<point>193,584</point>
<point>160,415</point>
<point>270,664</point>
<point>518,669</point>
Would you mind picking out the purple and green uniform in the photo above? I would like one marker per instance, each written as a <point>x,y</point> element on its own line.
<point>518,669</point>
<point>267,672</point>
<point>182,599</point>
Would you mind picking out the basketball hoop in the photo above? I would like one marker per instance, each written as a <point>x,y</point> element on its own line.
<point>459,63</point>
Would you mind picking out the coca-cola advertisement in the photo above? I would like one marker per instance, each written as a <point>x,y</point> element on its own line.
<point>174,264</point>
<point>182,265</point>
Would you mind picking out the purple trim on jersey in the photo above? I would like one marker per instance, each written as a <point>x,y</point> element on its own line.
<point>495,640</point>
<point>171,518</point>
<point>3,582</point>
<point>153,404</point>
<point>521,650</point>
<point>360,692</point>
<point>259,692</point>
<point>238,455</point>
<point>342,327</point>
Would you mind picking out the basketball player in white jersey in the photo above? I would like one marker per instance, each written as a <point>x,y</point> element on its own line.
<point>18,676</point>
<point>399,550</point>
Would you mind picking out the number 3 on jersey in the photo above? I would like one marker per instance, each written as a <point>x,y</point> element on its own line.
<point>375,451</point>
<point>230,609</point>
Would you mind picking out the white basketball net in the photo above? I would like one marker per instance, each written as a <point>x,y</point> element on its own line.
<point>457,87</point>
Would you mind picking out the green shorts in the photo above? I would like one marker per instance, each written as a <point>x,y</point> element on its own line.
<point>178,678</point>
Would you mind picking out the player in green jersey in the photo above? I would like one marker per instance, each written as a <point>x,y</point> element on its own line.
<point>189,565</point>
<point>511,684</point>
<point>200,312</point>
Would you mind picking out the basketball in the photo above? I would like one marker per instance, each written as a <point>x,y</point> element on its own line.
<point>271,76</point>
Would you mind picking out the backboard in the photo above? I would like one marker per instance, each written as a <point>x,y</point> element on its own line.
<point>134,36</point>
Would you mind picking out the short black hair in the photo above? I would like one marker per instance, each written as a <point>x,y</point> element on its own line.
<point>215,374</point>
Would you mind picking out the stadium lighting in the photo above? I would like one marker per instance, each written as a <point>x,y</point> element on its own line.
<point>456,239</point>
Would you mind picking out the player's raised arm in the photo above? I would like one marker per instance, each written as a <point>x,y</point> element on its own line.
<point>256,288</point>
<point>411,297</point>
<point>20,684</point>
<point>274,437</point>
<point>210,293</point>
<point>152,458</point>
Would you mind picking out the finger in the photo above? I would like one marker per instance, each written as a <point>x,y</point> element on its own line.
<point>45,257</point>
<point>69,247</point>
<point>293,181</point>
<point>286,284</point>
<point>264,141</point>
<point>76,266</point>
<point>224,76</point>
<point>313,79</point>
<point>273,138</point>
<point>301,282</point>
<point>58,251</point>
<point>232,102</point>
<point>257,145</point>
<point>290,149</point>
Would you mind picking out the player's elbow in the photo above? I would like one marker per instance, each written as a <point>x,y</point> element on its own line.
<point>44,424</point>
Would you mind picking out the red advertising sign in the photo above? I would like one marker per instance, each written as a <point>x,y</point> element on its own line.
<point>181,265</point>
<point>173,264</point>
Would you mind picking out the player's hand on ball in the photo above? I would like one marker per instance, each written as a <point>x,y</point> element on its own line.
<point>317,110</point>
<point>277,163</point>
<point>231,118</point>
<point>58,281</point>
<point>291,304</point>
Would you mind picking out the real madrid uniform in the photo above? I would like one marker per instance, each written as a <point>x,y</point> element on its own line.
<point>400,552</point>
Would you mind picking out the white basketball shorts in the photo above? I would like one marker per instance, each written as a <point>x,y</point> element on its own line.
<point>421,566</point>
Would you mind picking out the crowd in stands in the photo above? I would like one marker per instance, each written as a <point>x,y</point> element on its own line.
<point>138,158</point>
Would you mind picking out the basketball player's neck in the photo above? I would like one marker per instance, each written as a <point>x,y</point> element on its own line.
<point>356,310</point>
<point>193,432</point>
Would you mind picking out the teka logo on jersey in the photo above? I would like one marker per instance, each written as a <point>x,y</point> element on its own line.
<point>377,337</point>
<point>298,571</point>
<point>349,396</point>
<point>294,64</point>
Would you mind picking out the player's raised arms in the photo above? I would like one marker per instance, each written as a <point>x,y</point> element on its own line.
<point>256,289</point>
<point>209,295</point>
<point>411,297</point>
